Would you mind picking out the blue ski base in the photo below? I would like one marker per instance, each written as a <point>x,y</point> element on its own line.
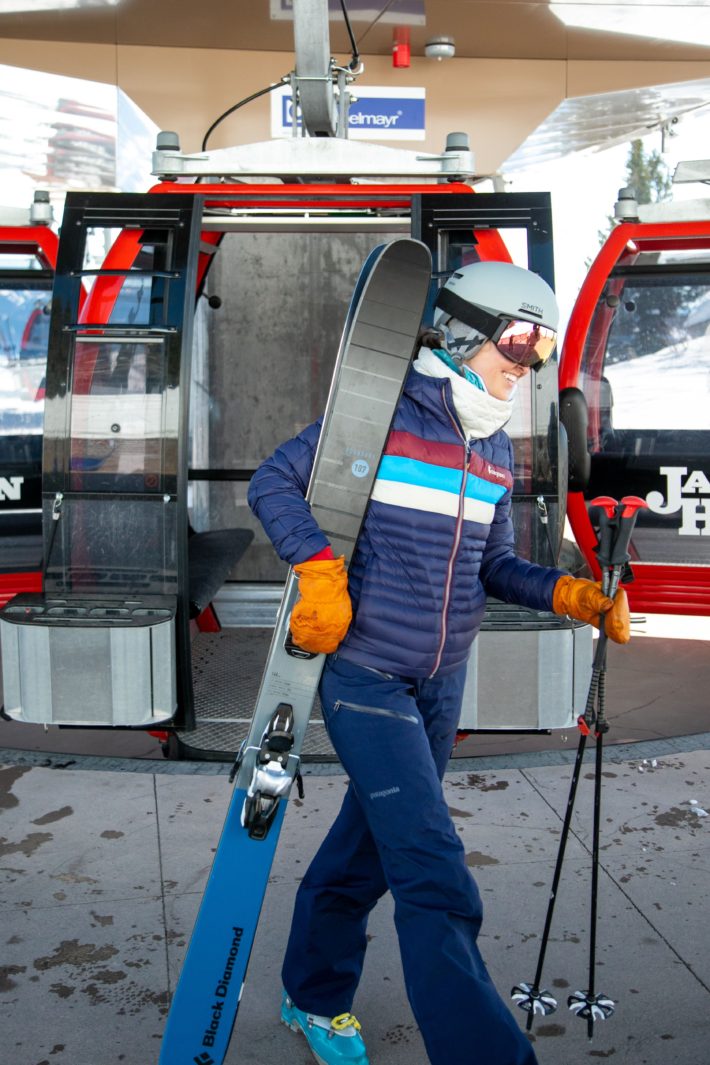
<point>206,1000</point>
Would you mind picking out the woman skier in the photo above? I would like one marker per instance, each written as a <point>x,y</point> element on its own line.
<point>397,628</point>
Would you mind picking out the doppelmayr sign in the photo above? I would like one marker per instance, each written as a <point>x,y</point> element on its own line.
<point>379,113</point>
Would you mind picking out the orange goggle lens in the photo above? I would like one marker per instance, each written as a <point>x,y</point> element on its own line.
<point>527,343</point>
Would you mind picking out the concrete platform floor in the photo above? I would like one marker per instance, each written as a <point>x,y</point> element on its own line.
<point>102,874</point>
<point>105,848</point>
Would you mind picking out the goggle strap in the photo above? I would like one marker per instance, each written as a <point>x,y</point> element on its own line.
<point>485,323</point>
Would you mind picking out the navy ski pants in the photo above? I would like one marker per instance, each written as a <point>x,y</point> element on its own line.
<point>394,736</point>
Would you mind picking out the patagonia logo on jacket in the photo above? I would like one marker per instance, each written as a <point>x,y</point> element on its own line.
<point>499,474</point>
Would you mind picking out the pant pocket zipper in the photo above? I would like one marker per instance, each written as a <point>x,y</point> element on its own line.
<point>376,711</point>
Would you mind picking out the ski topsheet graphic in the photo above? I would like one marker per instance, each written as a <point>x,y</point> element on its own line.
<point>374,356</point>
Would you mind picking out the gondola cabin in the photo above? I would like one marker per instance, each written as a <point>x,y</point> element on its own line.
<point>635,399</point>
<point>207,338</point>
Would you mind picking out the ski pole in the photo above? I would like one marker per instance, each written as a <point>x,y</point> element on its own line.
<point>613,553</point>
<point>531,997</point>
<point>608,533</point>
<point>617,522</point>
<point>607,517</point>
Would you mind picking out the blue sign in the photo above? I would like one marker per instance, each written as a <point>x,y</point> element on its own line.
<point>379,113</point>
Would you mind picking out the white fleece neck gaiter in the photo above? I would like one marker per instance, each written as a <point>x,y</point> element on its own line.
<point>480,414</point>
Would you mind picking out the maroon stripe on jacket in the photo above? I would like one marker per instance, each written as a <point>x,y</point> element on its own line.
<point>407,445</point>
<point>410,446</point>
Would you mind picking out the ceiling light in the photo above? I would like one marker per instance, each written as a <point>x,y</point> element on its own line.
<point>688,23</point>
<point>440,48</point>
<point>12,7</point>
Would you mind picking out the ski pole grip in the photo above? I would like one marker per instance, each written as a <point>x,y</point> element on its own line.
<point>607,508</point>
<point>606,503</point>
<point>628,512</point>
<point>632,505</point>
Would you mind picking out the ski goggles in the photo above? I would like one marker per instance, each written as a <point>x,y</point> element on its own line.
<point>526,343</point>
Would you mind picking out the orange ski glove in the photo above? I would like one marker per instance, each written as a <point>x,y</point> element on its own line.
<point>583,600</point>
<point>323,611</point>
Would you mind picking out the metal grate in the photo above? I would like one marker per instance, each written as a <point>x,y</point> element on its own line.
<point>227,668</point>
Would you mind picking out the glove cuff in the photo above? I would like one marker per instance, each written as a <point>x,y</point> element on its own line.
<point>561,595</point>
<point>322,556</point>
<point>322,568</point>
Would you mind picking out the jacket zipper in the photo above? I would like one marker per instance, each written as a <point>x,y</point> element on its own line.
<point>378,711</point>
<point>457,536</point>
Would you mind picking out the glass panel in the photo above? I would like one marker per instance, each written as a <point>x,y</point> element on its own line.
<point>673,256</point>
<point>102,546</point>
<point>262,363</point>
<point>268,351</point>
<point>98,242</point>
<point>535,540</point>
<point>24,334</point>
<point>459,249</point>
<point>516,241</point>
<point>14,261</point>
<point>223,505</point>
<point>646,377</point>
<point>657,363</point>
<point>118,424</point>
<point>138,298</point>
<point>520,431</point>
<point>61,133</point>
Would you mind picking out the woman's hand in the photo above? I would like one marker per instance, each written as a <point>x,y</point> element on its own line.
<point>585,601</point>
<point>323,611</point>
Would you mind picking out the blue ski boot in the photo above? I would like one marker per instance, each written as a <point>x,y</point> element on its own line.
<point>332,1040</point>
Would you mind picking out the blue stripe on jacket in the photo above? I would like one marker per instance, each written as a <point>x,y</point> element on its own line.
<point>428,475</point>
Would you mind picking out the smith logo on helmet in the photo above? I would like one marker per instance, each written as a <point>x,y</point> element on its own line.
<point>531,309</point>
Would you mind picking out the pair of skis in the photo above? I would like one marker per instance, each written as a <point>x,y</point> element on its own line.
<point>374,356</point>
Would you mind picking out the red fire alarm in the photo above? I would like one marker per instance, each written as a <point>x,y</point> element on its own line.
<point>401,51</point>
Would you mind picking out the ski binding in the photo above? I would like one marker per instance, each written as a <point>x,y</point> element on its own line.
<point>271,779</point>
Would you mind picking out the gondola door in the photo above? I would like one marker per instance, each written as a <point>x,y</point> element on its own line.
<point>638,349</point>
<point>552,655</point>
<point>107,643</point>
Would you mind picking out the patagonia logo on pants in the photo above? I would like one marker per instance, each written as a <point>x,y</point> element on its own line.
<point>383,794</point>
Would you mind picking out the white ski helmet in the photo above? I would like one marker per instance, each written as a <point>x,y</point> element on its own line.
<point>501,302</point>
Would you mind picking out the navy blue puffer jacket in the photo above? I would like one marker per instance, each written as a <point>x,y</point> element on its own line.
<point>433,543</point>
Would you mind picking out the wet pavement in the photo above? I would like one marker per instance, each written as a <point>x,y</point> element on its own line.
<point>103,859</point>
<point>102,874</point>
